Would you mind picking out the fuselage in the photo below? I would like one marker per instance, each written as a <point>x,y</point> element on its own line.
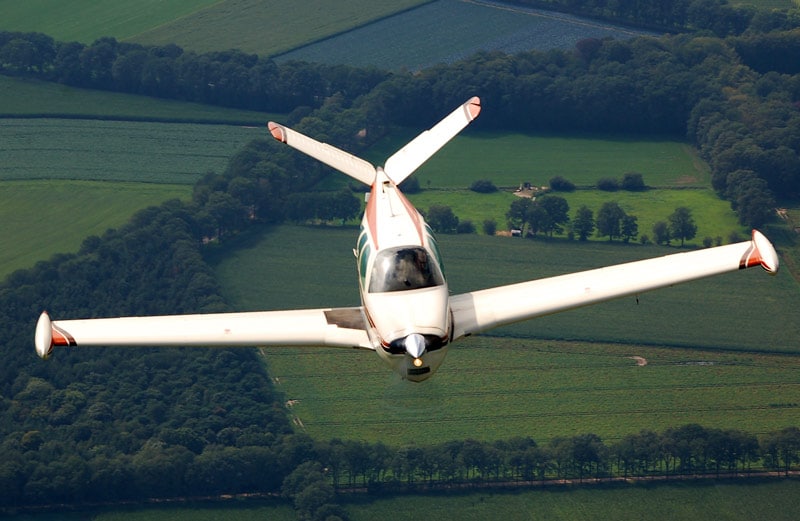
<point>402,285</point>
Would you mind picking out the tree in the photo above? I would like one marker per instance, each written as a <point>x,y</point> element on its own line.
<point>557,210</point>
<point>489,226</point>
<point>609,220</point>
<point>629,228</point>
<point>483,186</point>
<point>442,219</point>
<point>559,184</point>
<point>633,182</point>
<point>682,225</point>
<point>608,184</point>
<point>518,212</point>
<point>583,223</point>
<point>661,233</point>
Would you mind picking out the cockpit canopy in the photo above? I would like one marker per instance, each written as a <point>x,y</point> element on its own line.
<point>404,268</point>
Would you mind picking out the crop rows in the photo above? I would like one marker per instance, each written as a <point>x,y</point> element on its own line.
<point>172,153</point>
<point>419,38</point>
<point>495,386</point>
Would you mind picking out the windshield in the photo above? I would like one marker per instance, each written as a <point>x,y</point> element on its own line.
<point>400,269</point>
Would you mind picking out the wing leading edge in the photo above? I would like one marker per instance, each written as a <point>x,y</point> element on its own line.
<point>337,327</point>
<point>485,309</point>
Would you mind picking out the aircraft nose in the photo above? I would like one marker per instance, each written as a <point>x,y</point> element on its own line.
<point>415,345</point>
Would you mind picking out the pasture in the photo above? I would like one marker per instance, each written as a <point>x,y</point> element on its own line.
<point>268,28</point>
<point>41,218</point>
<point>508,159</point>
<point>31,98</point>
<point>728,364</point>
<point>417,38</point>
<point>719,501</point>
<point>389,34</point>
<point>88,20</point>
<point>172,153</point>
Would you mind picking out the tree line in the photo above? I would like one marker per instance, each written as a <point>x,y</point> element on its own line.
<point>689,450</point>
<point>734,98</point>
<point>718,16</point>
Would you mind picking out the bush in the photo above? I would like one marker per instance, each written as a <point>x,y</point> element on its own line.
<point>559,184</point>
<point>483,186</point>
<point>633,182</point>
<point>465,226</point>
<point>608,184</point>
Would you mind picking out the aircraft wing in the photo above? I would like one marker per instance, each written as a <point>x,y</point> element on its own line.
<point>485,309</point>
<point>406,160</point>
<point>342,161</point>
<point>337,327</point>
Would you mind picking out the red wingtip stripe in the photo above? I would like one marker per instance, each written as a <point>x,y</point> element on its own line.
<point>62,338</point>
<point>751,258</point>
<point>473,107</point>
<point>277,131</point>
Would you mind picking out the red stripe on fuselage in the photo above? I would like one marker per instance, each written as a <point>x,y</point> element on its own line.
<point>371,214</point>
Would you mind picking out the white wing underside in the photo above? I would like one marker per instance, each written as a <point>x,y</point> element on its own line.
<point>398,167</point>
<point>336,327</point>
<point>485,309</point>
<point>473,312</point>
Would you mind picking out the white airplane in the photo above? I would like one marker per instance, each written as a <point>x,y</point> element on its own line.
<point>407,315</point>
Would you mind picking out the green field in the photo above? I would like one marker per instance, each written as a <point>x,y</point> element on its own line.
<point>509,159</point>
<point>268,27</point>
<point>172,153</point>
<point>525,384</point>
<point>87,20</point>
<point>719,501</point>
<point>31,98</point>
<point>41,218</point>
<point>48,205</point>
<point>261,27</point>
<point>671,168</point>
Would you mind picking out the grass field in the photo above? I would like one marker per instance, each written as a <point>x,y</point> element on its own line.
<point>524,383</point>
<point>268,27</point>
<point>41,218</point>
<point>48,206</point>
<point>87,20</point>
<point>172,153</point>
<point>389,34</point>
<point>31,98</point>
<point>418,38</point>
<point>775,501</point>
<point>509,159</point>
<point>671,168</point>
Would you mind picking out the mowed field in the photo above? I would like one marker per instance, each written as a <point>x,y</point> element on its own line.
<point>736,366</point>
<point>672,170</point>
<point>255,26</point>
<point>389,34</point>
<point>63,179</point>
<point>444,31</point>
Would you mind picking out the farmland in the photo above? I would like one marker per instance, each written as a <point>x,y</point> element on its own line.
<point>31,98</point>
<point>387,34</point>
<point>41,218</point>
<point>53,170</point>
<point>418,38</point>
<point>532,382</point>
<point>172,153</point>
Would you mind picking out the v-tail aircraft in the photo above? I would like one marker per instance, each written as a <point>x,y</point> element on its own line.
<point>407,315</point>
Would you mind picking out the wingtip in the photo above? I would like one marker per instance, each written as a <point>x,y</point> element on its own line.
<point>760,253</point>
<point>277,131</point>
<point>765,253</point>
<point>44,336</point>
<point>473,107</point>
